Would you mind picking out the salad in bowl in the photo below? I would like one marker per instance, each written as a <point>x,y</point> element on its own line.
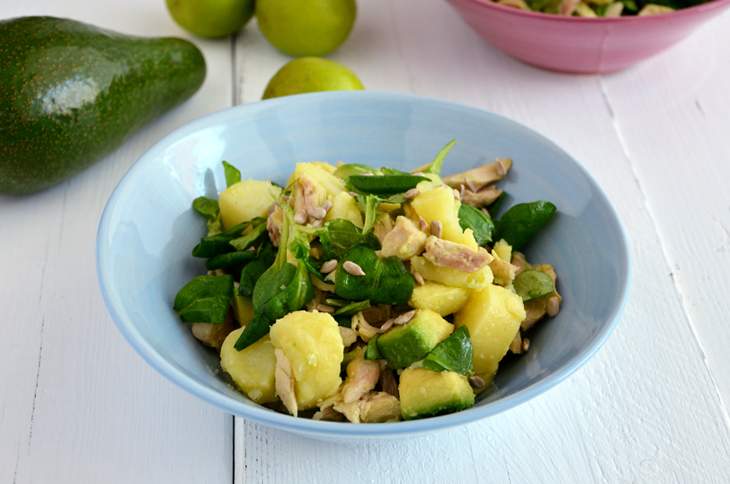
<point>367,294</point>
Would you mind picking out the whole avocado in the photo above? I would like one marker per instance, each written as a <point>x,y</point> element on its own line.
<point>72,92</point>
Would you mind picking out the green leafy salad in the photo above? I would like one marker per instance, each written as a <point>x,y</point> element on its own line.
<point>367,294</point>
<point>601,8</point>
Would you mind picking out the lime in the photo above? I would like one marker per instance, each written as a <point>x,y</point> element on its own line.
<point>306,27</point>
<point>311,74</point>
<point>211,18</point>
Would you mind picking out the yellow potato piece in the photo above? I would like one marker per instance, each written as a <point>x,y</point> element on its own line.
<point>493,316</point>
<point>452,277</point>
<point>245,200</point>
<point>320,174</point>
<point>252,369</point>
<point>345,206</point>
<point>312,343</point>
<point>439,204</point>
<point>441,299</point>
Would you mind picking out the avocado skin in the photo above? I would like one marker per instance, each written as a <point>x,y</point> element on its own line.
<point>71,93</point>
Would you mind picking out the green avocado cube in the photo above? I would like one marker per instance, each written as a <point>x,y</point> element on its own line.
<point>406,344</point>
<point>424,393</point>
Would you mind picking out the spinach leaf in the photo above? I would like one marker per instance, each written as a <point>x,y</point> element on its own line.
<point>386,281</point>
<point>233,175</point>
<point>383,184</point>
<point>452,354</point>
<point>301,250</point>
<point>438,161</point>
<point>281,289</point>
<point>206,207</point>
<point>212,245</point>
<point>340,235</point>
<point>523,221</point>
<point>256,329</point>
<point>254,269</point>
<point>479,222</point>
<point>532,284</point>
<point>370,208</point>
<point>256,231</point>
<point>352,308</point>
<point>229,260</point>
<point>205,299</point>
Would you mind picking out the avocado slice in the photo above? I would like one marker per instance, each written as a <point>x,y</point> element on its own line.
<point>406,344</point>
<point>72,92</point>
<point>424,393</point>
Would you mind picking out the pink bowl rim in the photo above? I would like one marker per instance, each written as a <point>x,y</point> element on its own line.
<point>711,5</point>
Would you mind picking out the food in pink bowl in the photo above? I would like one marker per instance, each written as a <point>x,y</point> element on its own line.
<point>583,37</point>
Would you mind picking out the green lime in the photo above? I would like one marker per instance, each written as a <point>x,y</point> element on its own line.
<point>211,18</point>
<point>306,27</point>
<point>311,74</point>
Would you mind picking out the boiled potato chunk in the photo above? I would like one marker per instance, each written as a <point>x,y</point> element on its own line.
<point>245,200</point>
<point>493,316</point>
<point>345,206</point>
<point>452,277</point>
<point>441,299</point>
<point>252,369</point>
<point>439,204</point>
<point>312,343</point>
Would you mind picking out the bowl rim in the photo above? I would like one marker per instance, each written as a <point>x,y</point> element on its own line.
<point>695,9</point>
<point>344,429</point>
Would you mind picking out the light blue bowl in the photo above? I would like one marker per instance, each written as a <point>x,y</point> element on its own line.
<point>147,231</point>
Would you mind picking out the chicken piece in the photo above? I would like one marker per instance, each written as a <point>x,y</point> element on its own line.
<point>284,382</point>
<point>404,240</point>
<point>520,262</point>
<point>383,225</point>
<point>348,336</point>
<point>273,224</point>
<point>456,256</point>
<point>481,198</point>
<point>310,202</point>
<point>361,326</point>
<point>362,376</point>
<point>504,272</point>
<point>379,407</point>
<point>212,334</point>
<point>480,177</point>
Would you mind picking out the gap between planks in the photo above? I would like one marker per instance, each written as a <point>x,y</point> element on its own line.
<point>665,253</point>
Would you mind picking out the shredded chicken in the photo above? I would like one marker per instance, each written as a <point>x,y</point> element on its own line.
<point>480,177</point>
<point>372,408</point>
<point>481,198</point>
<point>404,240</point>
<point>273,225</point>
<point>383,225</point>
<point>457,256</point>
<point>348,336</point>
<point>504,272</point>
<point>284,382</point>
<point>519,261</point>
<point>363,328</point>
<point>307,206</point>
<point>212,334</point>
<point>362,376</point>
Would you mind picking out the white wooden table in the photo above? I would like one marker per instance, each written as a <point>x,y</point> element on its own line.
<point>78,406</point>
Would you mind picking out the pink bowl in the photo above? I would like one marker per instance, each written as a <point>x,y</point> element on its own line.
<point>581,45</point>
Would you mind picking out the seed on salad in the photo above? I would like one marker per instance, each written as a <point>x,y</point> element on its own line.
<point>329,266</point>
<point>325,308</point>
<point>477,382</point>
<point>352,268</point>
<point>419,278</point>
<point>412,193</point>
<point>457,194</point>
<point>525,344</point>
<point>436,228</point>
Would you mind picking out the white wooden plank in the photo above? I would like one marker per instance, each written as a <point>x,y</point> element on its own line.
<point>644,409</point>
<point>675,133</point>
<point>76,403</point>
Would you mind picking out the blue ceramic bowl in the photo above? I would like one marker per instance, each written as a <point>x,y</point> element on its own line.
<point>148,229</point>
